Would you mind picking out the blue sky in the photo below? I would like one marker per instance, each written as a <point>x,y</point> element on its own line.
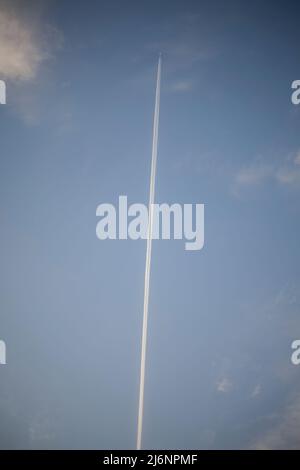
<point>76,131</point>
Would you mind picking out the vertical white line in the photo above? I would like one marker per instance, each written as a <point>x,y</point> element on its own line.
<point>148,258</point>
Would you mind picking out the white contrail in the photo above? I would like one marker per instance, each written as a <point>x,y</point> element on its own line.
<point>148,257</point>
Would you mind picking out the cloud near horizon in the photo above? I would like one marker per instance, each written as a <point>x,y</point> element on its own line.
<point>284,430</point>
<point>182,86</point>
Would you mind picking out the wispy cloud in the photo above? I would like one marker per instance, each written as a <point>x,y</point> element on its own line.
<point>288,176</point>
<point>20,54</point>
<point>297,159</point>
<point>284,433</point>
<point>286,173</point>
<point>224,385</point>
<point>253,175</point>
<point>27,42</point>
<point>257,391</point>
<point>23,45</point>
